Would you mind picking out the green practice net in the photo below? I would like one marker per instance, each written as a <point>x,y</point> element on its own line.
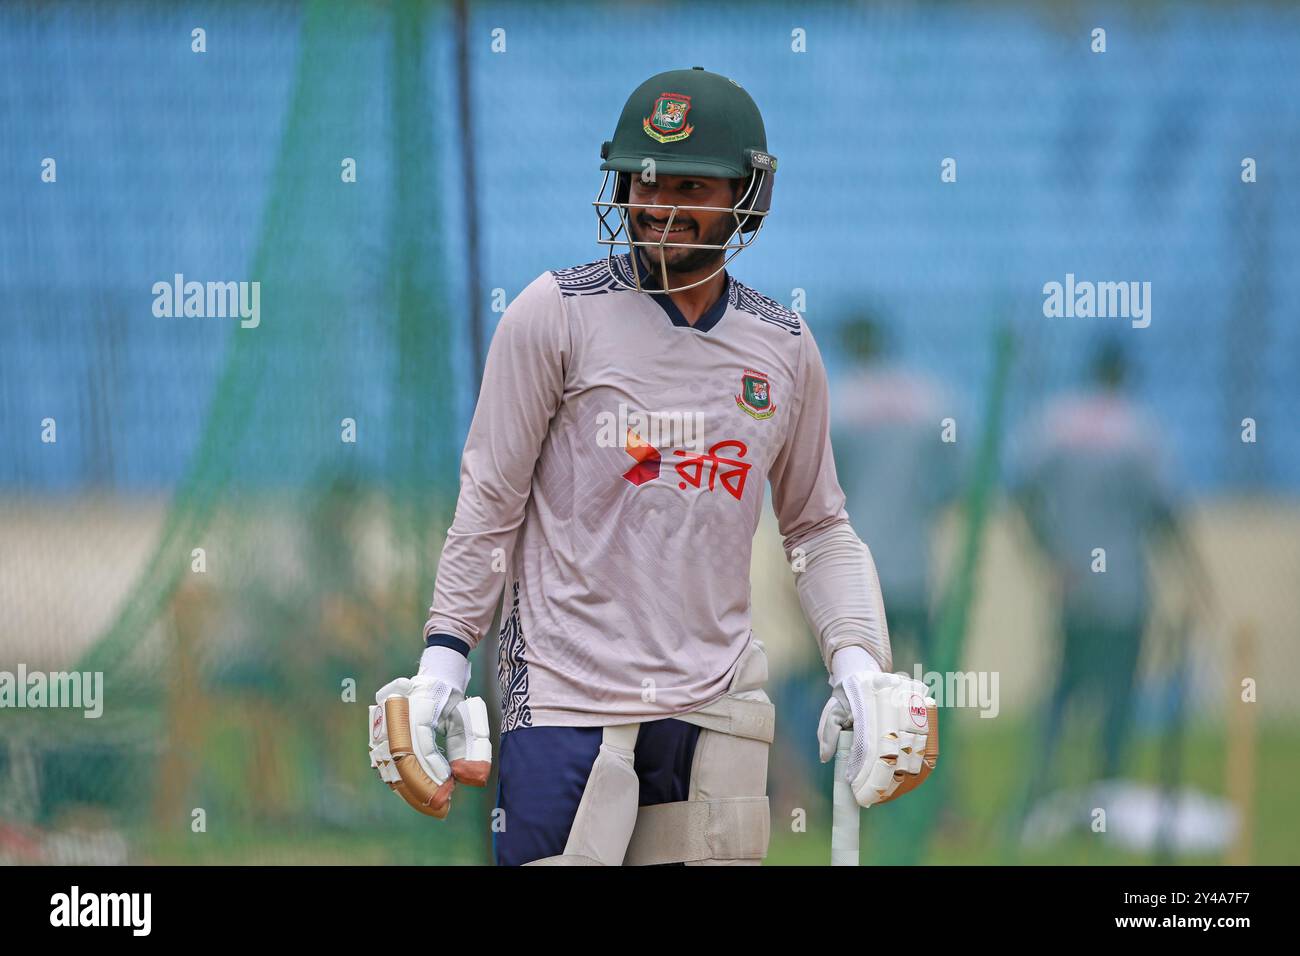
<point>297,555</point>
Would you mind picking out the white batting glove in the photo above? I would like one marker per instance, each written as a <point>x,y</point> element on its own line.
<point>895,734</point>
<point>408,717</point>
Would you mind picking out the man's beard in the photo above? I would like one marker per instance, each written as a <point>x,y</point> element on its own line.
<point>694,260</point>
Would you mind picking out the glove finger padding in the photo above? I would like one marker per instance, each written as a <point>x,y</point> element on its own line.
<point>416,784</point>
<point>896,740</point>
<point>835,717</point>
<point>928,759</point>
<point>469,744</point>
<point>404,748</point>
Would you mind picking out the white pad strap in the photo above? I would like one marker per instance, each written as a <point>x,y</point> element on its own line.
<point>565,860</point>
<point>730,828</point>
<point>753,719</point>
<point>607,812</point>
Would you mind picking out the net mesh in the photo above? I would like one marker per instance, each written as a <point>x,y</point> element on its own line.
<point>239,526</point>
<point>291,565</point>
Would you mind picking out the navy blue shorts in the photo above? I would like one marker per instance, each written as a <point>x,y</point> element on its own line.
<point>543,771</point>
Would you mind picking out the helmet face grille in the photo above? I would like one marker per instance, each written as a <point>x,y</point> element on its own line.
<point>613,227</point>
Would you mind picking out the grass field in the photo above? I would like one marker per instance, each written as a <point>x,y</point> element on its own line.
<point>304,793</point>
<point>974,832</point>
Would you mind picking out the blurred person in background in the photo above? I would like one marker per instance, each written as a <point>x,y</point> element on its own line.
<point>898,474</point>
<point>1091,485</point>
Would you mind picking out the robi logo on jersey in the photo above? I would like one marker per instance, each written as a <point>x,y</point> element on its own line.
<point>705,471</point>
<point>647,459</point>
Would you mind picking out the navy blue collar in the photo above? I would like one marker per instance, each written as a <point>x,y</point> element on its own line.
<point>712,315</point>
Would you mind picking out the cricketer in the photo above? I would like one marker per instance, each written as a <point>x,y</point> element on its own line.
<point>635,727</point>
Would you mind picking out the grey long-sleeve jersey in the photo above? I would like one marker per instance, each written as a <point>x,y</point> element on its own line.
<point>611,485</point>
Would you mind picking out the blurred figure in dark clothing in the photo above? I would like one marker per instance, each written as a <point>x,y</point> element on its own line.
<point>1091,485</point>
<point>898,475</point>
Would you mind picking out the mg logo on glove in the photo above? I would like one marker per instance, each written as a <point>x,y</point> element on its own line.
<point>916,708</point>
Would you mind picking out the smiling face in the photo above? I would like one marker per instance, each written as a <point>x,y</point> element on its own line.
<point>695,226</point>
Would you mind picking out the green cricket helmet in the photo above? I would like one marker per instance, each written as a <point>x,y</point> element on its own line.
<point>685,123</point>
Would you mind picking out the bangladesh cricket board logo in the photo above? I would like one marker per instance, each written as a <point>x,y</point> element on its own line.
<point>667,121</point>
<point>755,396</point>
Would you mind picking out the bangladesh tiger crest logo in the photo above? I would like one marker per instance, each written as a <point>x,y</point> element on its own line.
<point>755,396</point>
<point>667,121</point>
